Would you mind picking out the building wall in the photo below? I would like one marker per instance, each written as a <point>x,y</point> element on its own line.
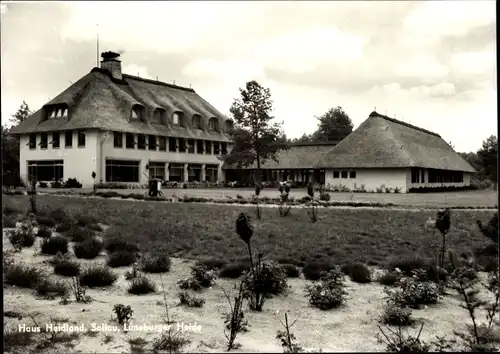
<point>466,181</point>
<point>110,152</point>
<point>78,162</point>
<point>371,179</point>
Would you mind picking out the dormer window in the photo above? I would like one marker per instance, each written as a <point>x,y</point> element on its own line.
<point>137,112</point>
<point>213,125</point>
<point>197,121</point>
<point>57,112</point>
<point>177,118</point>
<point>65,113</point>
<point>52,114</point>
<point>229,125</point>
<point>159,116</point>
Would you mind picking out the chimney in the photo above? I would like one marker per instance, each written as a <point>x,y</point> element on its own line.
<point>111,62</point>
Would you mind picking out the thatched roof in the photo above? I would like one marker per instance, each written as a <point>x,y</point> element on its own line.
<point>97,101</point>
<point>298,156</point>
<point>383,142</point>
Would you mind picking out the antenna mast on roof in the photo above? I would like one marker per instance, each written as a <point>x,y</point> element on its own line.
<point>97,46</point>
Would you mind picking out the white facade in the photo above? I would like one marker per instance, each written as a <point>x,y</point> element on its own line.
<point>80,162</point>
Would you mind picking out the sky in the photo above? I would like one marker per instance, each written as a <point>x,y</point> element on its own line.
<point>431,64</point>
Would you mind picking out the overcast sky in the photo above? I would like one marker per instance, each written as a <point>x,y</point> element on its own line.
<point>431,64</point>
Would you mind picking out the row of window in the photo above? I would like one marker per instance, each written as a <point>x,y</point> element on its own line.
<point>163,143</point>
<point>344,174</point>
<point>56,140</point>
<point>436,176</point>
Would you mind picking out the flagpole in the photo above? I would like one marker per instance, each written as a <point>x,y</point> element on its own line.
<point>97,46</point>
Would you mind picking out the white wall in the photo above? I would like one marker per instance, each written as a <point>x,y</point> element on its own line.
<point>371,179</point>
<point>78,162</point>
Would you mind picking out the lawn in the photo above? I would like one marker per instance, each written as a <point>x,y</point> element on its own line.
<point>479,198</point>
<point>340,235</point>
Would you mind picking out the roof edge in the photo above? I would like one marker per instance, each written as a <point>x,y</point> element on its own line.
<point>393,120</point>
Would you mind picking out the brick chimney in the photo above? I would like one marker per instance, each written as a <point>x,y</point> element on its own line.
<point>111,62</point>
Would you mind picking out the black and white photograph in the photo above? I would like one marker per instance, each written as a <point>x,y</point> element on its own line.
<point>249,176</point>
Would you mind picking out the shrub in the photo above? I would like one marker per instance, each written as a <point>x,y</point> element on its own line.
<point>72,183</point>
<point>155,263</point>
<point>9,221</point>
<point>85,220</point>
<point>55,244</point>
<point>233,271</point>
<point>88,249</point>
<point>324,197</point>
<point>121,259</point>
<point>413,293</point>
<point>59,215</point>
<point>312,270</point>
<point>13,339</point>
<point>66,267</point>
<point>290,270</point>
<point>358,272</point>
<point>65,226</point>
<point>409,263</point>
<point>190,301</point>
<point>123,313</point>
<point>50,288</point>
<point>201,277</point>
<point>212,263</point>
<point>396,316</point>
<point>115,244</point>
<point>45,220</point>
<point>78,234</point>
<point>97,276</point>
<point>22,237</point>
<point>44,232</point>
<point>141,285</point>
<point>271,280</point>
<point>389,278</point>
<point>329,292</point>
<point>22,275</point>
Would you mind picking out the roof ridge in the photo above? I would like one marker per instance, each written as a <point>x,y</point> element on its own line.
<point>376,114</point>
<point>149,81</point>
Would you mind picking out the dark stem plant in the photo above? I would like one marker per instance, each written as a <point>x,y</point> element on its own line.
<point>284,205</point>
<point>443,224</point>
<point>32,196</point>
<point>258,188</point>
<point>312,211</point>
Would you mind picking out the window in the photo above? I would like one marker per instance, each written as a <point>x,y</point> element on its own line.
<point>56,140</point>
<point>68,138</point>
<point>137,112</point>
<point>422,175</point>
<point>81,138</point>
<point>118,140</point>
<point>415,174</point>
<point>172,144</point>
<point>213,124</point>
<point>445,176</point>
<point>190,146</point>
<point>344,174</point>
<point>65,113</point>
<point>57,112</point>
<point>158,116</point>
<point>43,140</point>
<point>129,141</point>
<point>152,142</point>
<point>352,174</point>
<point>229,125</point>
<point>32,141</point>
<point>182,145</point>
<point>45,170</point>
<point>177,118</point>
<point>157,170</point>
<point>163,143</point>
<point>52,114</point>
<point>216,148</point>
<point>336,174</point>
<point>176,172</point>
<point>197,121</point>
<point>224,148</point>
<point>194,172</point>
<point>141,141</point>
<point>211,173</point>
<point>208,147</point>
<point>200,146</point>
<point>122,171</point>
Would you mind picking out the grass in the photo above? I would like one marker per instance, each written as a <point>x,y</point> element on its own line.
<point>121,259</point>
<point>141,286</point>
<point>67,268</point>
<point>22,275</point>
<point>54,244</point>
<point>88,249</point>
<point>97,276</point>
<point>155,263</point>
<point>191,230</point>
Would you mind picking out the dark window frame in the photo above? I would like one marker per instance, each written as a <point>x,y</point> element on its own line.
<point>336,174</point>
<point>344,174</point>
<point>82,138</point>
<point>141,142</point>
<point>68,143</point>
<point>113,167</point>
<point>162,143</point>
<point>118,140</point>
<point>200,146</point>
<point>130,141</point>
<point>44,140</point>
<point>352,174</point>
<point>32,141</point>
<point>56,140</point>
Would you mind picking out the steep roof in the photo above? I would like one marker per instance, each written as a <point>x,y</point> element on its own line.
<point>300,156</point>
<point>97,101</point>
<point>383,142</point>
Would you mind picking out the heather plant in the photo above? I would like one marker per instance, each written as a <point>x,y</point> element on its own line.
<point>235,320</point>
<point>22,275</point>
<point>329,292</point>
<point>88,249</point>
<point>155,262</point>
<point>284,205</point>
<point>50,288</point>
<point>201,277</point>
<point>312,210</point>
<point>64,266</point>
<point>141,285</point>
<point>23,236</point>
<point>54,244</point>
<point>358,272</point>
<point>271,280</point>
<point>44,232</point>
<point>412,292</point>
<point>189,300</point>
<point>97,276</point>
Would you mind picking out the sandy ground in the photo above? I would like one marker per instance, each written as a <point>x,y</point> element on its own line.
<point>348,329</point>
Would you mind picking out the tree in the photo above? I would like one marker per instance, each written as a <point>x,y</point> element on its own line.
<point>489,160</point>
<point>473,160</point>
<point>256,137</point>
<point>22,113</point>
<point>334,125</point>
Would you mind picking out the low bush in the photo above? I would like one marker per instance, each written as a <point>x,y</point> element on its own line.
<point>44,232</point>
<point>270,280</point>
<point>59,215</point>
<point>55,244</point>
<point>329,292</point>
<point>212,263</point>
<point>233,271</point>
<point>358,272</point>
<point>13,339</point>
<point>155,263</point>
<point>396,316</point>
<point>413,293</point>
<point>201,277</point>
<point>96,276</point>
<point>9,221</point>
<point>22,237</point>
<point>72,183</point>
<point>22,275</point>
<point>115,244</point>
<point>85,220</point>
<point>121,259</point>
<point>51,288</point>
<point>290,270</point>
<point>79,234</point>
<point>324,197</point>
<point>189,300</point>
<point>141,286</point>
<point>88,249</point>
<point>389,278</point>
<point>108,194</point>
<point>45,220</point>
<point>312,270</point>
<point>65,266</point>
<point>409,263</point>
<point>65,226</point>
